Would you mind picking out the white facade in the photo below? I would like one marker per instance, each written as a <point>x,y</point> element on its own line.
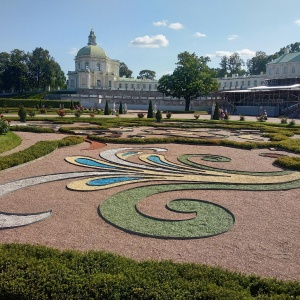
<point>95,70</point>
<point>285,66</point>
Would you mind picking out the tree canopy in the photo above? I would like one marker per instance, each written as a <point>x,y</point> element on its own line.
<point>191,78</point>
<point>148,74</point>
<point>231,65</point>
<point>257,64</point>
<point>37,70</point>
<point>124,71</point>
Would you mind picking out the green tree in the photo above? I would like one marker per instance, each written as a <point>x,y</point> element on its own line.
<point>150,110</point>
<point>106,109</point>
<point>120,108</point>
<point>44,71</point>
<point>148,74</point>
<point>22,113</point>
<point>124,70</point>
<point>190,79</point>
<point>158,116</point>
<point>235,64</point>
<point>257,64</point>
<point>224,69</point>
<point>216,115</point>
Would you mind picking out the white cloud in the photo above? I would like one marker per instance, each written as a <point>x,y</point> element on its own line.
<point>73,51</point>
<point>246,52</point>
<point>243,52</point>
<point>223,53</point>
<point>297,22</point>
<point>199,34</point>
<point>147,41</point>
<point>210,55</point>
<point>176,26</point>
<point>232,37</point>
<point>160,23</point>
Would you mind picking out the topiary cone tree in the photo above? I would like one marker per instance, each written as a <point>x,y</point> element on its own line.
<point>150,110</point>
<point>22,114</point>
<point>158,116</point>
<point>106,109</point>
<point>216,115</point>
<point>120,108</point>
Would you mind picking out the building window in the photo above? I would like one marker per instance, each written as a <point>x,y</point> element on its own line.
<point>293,69</point>
<point>225,84</point>
<point>132,86</point>
<point>78,66</point>
<point>236,83</point>
<point>243,83</point>
<point>249,83</point>
<point>270,71</point>
<point>255,82</point>
<point>277,70</point>
<point>285,70</point>
<point>138,86</point>
<point>144,86</point>
<point>120,85</point>
<point>230,84</point>
<point>109,84</point>
<point>149,87</point>
<point>156,86</point>
<point>126,86</point>
<point>72,83</point>
<point>98,67</point>
<point>86,65</point>
<point>98,82</point>
<point>83,81</point>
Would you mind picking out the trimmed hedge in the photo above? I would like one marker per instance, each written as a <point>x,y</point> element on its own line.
<point>39,149</point>
<point>34,102</point>
<point>37,272</point>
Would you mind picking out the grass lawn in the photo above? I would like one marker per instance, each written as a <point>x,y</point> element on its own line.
<point>9,141</point>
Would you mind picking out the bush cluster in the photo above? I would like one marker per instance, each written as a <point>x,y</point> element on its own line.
<point>37,272</point>
<point>37,103</point>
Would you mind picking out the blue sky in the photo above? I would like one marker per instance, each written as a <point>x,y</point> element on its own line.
<point>149,34</point>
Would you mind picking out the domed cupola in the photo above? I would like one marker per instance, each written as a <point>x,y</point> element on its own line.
<point>92,49</point>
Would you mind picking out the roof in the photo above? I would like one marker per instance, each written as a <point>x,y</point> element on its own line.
<point>289,57</point>
<point>93,51</point>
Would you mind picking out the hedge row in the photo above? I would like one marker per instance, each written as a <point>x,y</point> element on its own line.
<point>34,102</point>
<point>39,149</point>
<point>37,272</point>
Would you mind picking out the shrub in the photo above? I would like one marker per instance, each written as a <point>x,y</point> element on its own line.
<point>77,113</point>
<point>120,108</point>
<point>4,125</point>
<point>196,116</point>
<point>158,116</point>
<point>31,113</point>
<point>168,115</point>
<point>283,120</point>
<point>261,118</point>
<point>61,112</point>
<point>216,115</point>
<point>242,118</point>
<point>292,122</point>
<point>106,109</point>
<point>150,110</point>
<point>43,110</point>
<point>92,115</point>
<point>22,113</point>
<point>141,115</point>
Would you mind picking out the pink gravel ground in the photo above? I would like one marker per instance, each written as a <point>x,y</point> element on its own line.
<point>264,240</point>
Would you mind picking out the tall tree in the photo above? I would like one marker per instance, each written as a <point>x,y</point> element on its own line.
<point>235,64</point>
<point>44,71</point>
<point>124,71</point>
<point>257,64</point>
<point>148,74</point>
<point>190,79</point>
<point>224,69</point>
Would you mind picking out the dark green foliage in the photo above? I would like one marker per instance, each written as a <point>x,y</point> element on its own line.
<point>158,116</point>
<point>72,105</point>
<point>106,109</point>
<point>37,272</point>
<point>120,108</point>
<point>150,110</point>
<point>35,129</point>
<point>216,115</point>
<point>36,103</point>
<point>39,149</point>
<point>22,113</point>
